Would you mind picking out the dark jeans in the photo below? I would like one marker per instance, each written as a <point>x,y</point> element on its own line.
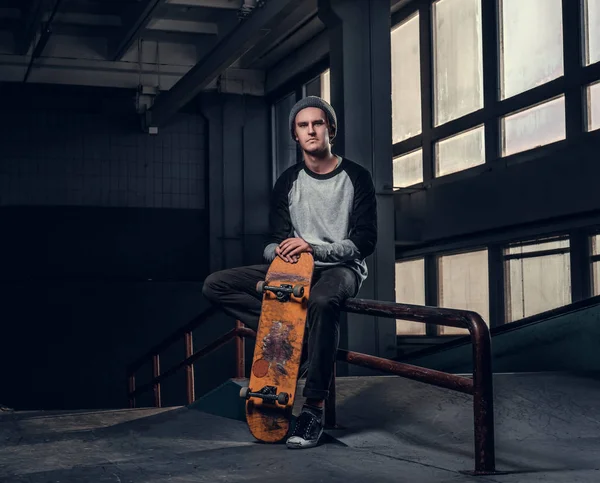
<point>234,291</point>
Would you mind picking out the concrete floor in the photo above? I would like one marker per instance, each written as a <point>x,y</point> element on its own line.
<point>547,430</point>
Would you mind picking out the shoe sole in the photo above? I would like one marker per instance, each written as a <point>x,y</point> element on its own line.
<point>304,445</point>
<point>308,444</point>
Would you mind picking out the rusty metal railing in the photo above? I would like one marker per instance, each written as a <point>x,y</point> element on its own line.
<point>480,386</point>
<point>185,333</point>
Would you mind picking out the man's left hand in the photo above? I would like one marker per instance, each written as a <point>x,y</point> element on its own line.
<point>293,247</point>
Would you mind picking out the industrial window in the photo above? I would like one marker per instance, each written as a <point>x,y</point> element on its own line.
<point>537,277</point>
<point>458,66</point>
<point>408,169</point>
<point>325,86</point>
<point>595,264</point>
<point>531,44</point>
<point>406,80</point>
<point>593,106</point>
<point>410,289</point>
<point>319,86</point>
<point>460,151</point>
<point>592,31</point>
<point>440,114</point>
<point>464,284</point>
<point>284,147</point>
<point>536,126</point>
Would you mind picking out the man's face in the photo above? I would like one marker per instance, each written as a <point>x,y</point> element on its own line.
<point>312,131</point>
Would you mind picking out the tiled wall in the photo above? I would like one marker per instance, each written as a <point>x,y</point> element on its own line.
<point>80,149</point>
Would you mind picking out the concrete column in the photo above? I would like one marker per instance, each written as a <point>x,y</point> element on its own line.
<point>239,178</point>
<point>211,109</point>
<point>359,41</point>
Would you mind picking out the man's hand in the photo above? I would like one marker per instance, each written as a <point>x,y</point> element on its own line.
<point>290,249</point>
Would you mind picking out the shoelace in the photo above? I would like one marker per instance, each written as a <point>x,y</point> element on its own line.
<point>302,421</point>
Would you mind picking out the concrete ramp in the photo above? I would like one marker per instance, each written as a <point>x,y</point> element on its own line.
<point>547,430</point>
<point>543,422</point>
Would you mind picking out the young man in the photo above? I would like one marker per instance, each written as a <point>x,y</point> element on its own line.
<point>324,206</point>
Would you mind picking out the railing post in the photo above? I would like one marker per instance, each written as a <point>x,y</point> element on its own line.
<point>156,373</point>
<point>483,397</point>
<point>131,390</point>
<point>330,414</point>
<point>189,368</point>
<point>240,362</point>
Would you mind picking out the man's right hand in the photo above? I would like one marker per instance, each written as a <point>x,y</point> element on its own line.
<point>286,258</point>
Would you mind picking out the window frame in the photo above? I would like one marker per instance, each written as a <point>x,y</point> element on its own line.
<point>579,232</point>
<point>572,84</point>
<point>506,257</point>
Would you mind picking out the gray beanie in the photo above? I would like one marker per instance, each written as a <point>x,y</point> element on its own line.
<point>313,101</point>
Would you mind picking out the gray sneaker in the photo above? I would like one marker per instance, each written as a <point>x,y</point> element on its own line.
<point>308,429</point>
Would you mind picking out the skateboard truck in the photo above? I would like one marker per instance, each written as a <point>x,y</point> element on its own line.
<point>282,292</point>
<point>267,394</point>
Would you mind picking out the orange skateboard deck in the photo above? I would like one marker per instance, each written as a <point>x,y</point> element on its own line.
<point>271,391</point>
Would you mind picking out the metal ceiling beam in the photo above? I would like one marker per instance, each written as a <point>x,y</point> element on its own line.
<point>225,53</point>
<point>183,26</point>
<point>225,4</point>
<point>134,23</point>
<point>32,23</point>
<point>306,12</point>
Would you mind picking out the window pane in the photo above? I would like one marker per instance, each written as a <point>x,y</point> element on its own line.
<point>592,30</point>
<point>325,86</point>
<point>460,152</point>
<point>410,289</point>
<point>406,81</point>
<point>596,278</point>
<point>596,265</point>
<point>464,284</point>
<point>458,56</point>
<point>531,44</point>
<point>537,284</point>
<point>533,127</point>
<point>285,146</point>
<point>537,247</point>
<point>593,106</point>
<point>408,169</point>
<point>596,245</point>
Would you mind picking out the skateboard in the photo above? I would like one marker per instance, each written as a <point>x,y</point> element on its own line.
<point>271,391</point>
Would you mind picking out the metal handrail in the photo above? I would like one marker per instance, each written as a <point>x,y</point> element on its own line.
<point>171,339</point>
<point>480,386</point>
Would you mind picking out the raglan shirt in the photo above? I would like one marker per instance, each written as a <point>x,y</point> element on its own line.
<point>335,213</point>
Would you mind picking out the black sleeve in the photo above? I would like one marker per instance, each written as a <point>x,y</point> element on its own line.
<point>280,222</point>
<point>363,220</point>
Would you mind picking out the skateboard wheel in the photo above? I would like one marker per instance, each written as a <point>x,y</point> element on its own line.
<point>283,398</point>
<point>244,392</point>
<point>260,286</point>
<point>298,291</point>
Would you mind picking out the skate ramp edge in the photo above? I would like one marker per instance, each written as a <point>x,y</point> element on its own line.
<point>224,400</point>
<point>547,422</point>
